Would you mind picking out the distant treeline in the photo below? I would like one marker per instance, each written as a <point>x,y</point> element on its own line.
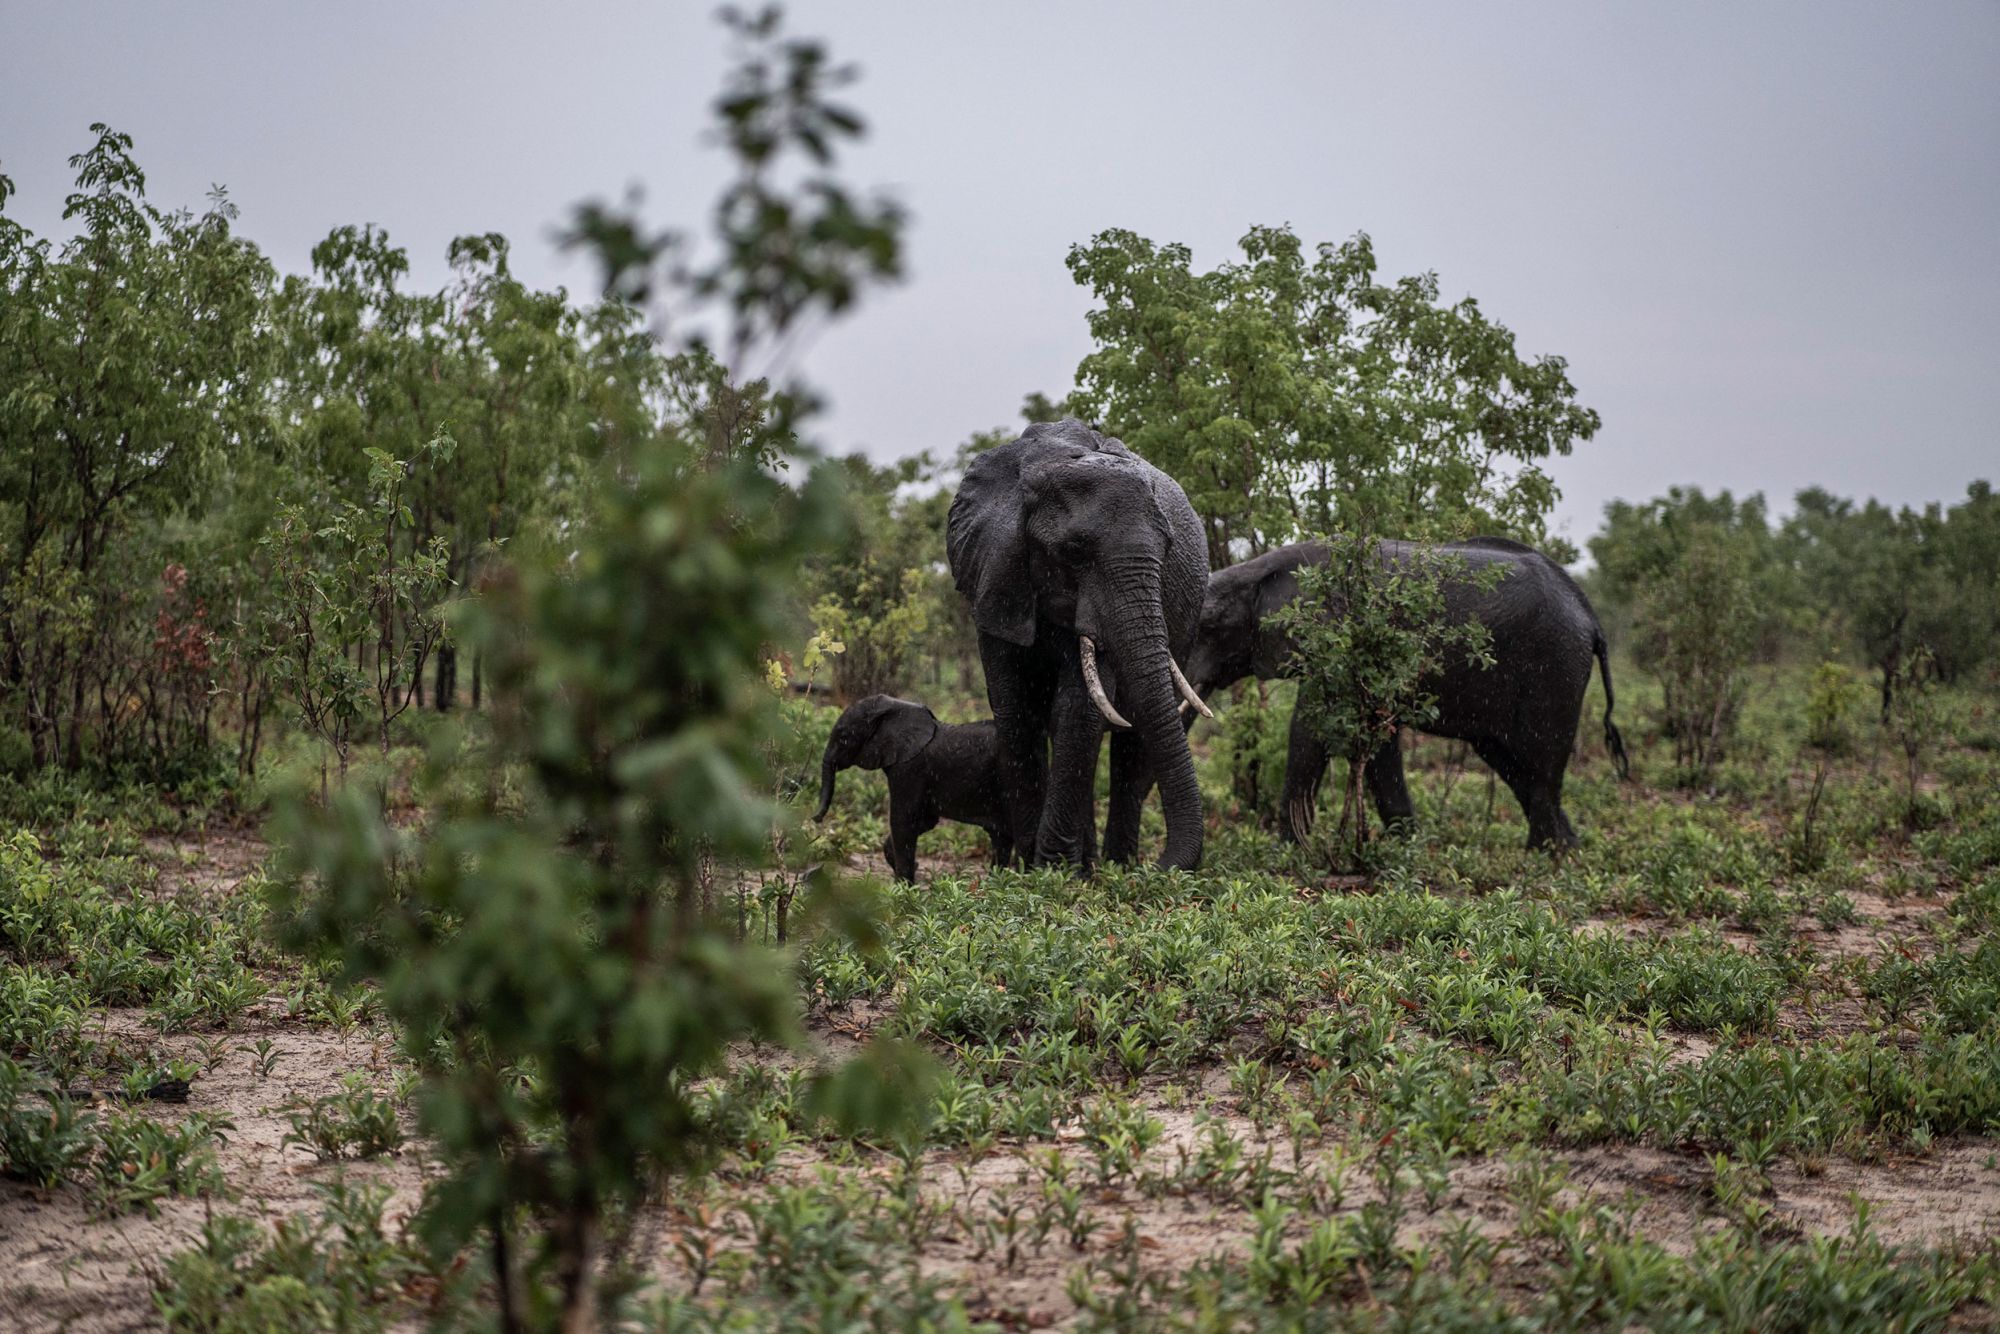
<point>1835,579</point>
<point>228,494</point>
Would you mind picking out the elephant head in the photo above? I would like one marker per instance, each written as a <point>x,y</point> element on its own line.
<point>1234,640</point>
<point>873,733</point>
<point>1069,545</point>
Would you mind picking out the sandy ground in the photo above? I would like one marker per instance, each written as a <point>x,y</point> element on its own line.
<point>1951,1193</point>
<point>61,1267</point>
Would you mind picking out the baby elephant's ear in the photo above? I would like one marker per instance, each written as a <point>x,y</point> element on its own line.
<point>900,732</point>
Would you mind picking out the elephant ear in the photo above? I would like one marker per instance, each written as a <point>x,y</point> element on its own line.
<point>901,731</point>
<point>1274,591</point>
<point>986,541</point>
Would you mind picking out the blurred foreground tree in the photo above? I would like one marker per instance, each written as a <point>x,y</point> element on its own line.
<point>625,773</point>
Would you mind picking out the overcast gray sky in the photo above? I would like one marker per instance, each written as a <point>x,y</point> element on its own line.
<point>1766,236</point>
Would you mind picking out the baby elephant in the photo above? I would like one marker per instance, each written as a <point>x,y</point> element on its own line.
<point>937,771</point>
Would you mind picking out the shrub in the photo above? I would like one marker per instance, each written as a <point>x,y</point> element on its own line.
<point>1695,634</point>
<point>1367,630</point>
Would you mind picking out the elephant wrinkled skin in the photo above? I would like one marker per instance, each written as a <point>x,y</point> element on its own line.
<point>1085,567</point>
<point>1520,715</point>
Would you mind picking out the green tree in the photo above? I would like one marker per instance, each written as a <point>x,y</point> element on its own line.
<point>1828,703</point>
<point>510,374</point>
<point>1290,393</point>
<point>348,596</point>
<point>1896,582</point>
<point>1859,566</point>
<point>876,591</point>
<point>1969,549</point>
<point>1917,719</point>
<point>133,361</point>
<point>1689,582</point>
<point>1640,543</point>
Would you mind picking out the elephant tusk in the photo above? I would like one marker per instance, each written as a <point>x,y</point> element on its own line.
<point>1187,691</point>
<point>1095,686</point>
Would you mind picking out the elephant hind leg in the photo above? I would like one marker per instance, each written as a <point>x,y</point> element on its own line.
<point>905,827</point>
<point>1539,793</point>
<point>1548,826</point>
<point>1002,844</point>
<point>1387,785</point>
<point>1502,762</point>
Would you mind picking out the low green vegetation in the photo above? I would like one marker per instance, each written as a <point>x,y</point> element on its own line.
<point>1379,1095</point>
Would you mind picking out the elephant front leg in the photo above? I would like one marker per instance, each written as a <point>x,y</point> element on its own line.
<point>1131,777</point>
<point>1068,834</point>
<point>901,848</point>
<point>1305,766</point>
<point>1018,688</point>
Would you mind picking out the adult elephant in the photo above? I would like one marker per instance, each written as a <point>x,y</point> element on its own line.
<point>1520,715</point>
<point>1085,567</point>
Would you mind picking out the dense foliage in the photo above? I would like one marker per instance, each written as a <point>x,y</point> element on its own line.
<point>1367,631</point>
<point>1703,586</point>
<point>1290,393</point>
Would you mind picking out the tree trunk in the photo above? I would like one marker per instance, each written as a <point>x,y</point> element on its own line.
<point>445,693</point>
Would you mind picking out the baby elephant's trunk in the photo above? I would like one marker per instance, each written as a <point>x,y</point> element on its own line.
<point>827,769</point>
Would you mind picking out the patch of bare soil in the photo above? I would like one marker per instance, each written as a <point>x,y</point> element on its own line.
<point>933,858</point>
<point>1907,924</point>
<point>1668,1197</point>
<point>64,1267</point>
<point>207,860</point>
<point>1949,1194</point>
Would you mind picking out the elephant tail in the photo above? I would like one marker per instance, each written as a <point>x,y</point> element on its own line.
<point>1613,741</point>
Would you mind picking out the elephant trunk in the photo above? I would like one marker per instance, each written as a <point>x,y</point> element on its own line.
<point>1146,672</point>
<point>827,769</point>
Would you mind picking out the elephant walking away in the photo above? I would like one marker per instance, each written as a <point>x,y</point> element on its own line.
<point>936,771</point>
<point>1520,715</point>
<point>1085,567</point>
